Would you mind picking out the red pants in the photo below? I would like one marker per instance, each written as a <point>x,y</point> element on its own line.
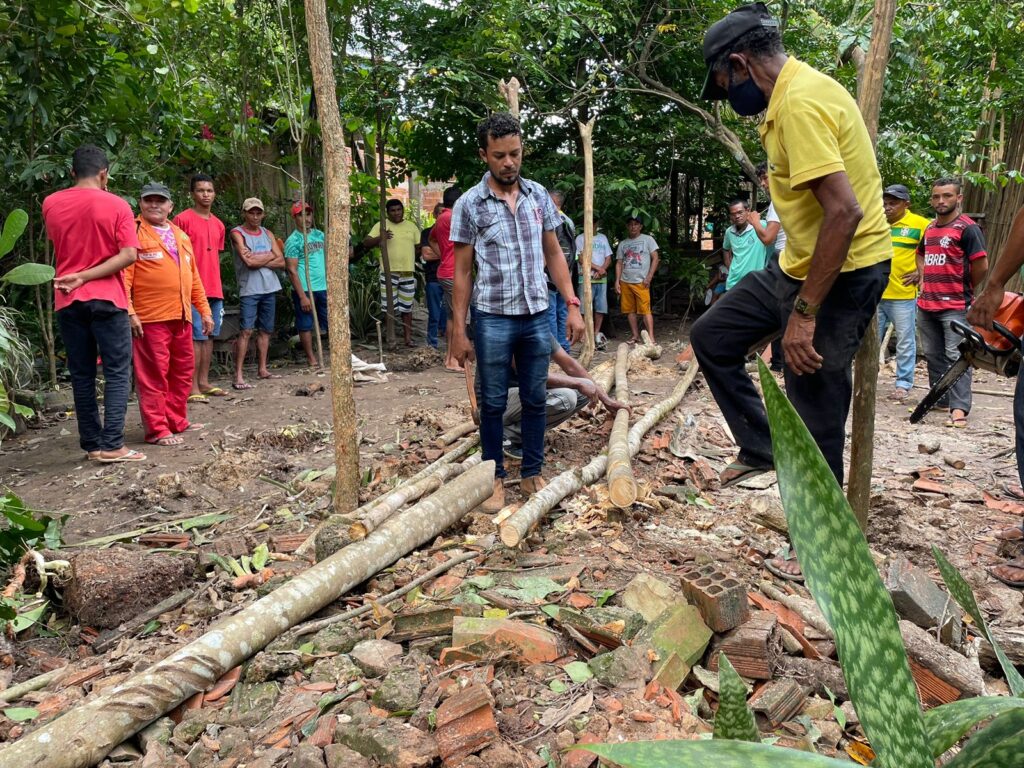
<point>163,376</point>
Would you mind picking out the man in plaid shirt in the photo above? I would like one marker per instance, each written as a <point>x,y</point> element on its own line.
<point>506,225</point>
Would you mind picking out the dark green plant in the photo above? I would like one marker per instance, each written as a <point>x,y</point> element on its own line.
<point>22,528</point>
<point>844,581</point>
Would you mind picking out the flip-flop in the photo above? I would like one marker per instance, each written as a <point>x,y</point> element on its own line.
<point>776,571</point>
<point>196,427</point>
<point>745,473</point>
<point>958,423</point>
<point>1018,564</point>
<point>270,376</point>
<point>1013,490</point>
<point>132,455</point>
<point>198,399</point>
<point>215,392</point>
<point>167,441</point>
<point>92,455</point>
<point>243,385</point>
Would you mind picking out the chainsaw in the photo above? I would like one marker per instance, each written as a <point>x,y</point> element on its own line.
<point>998,351</point>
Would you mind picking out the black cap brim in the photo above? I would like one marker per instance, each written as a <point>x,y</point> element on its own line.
<point>712,91</point>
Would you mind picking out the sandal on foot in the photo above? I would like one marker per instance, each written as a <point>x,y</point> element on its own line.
<point>166,441</point>
<point>271,376</point>
<point>131,455</point>
<point>745,472</point>
<point>243,385</point>
<point>196,427</point>
<point>215,392</point>
<point>776,571</point>
<point>1011,573</point>
<point>198,399</point>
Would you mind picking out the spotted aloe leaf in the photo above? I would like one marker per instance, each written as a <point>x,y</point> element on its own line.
<point>734,720</point>
<point>947,724</point>
<point>844,581</point>
<point>962,593</point>
<point>700,754</point>
<point>999,745</point>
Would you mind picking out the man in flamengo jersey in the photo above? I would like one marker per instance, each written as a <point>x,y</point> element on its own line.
<point>951,264</point>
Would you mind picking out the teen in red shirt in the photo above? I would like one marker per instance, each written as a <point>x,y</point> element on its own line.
<point>441,242</point>
<point>94,239</point>
<point>206,232</point>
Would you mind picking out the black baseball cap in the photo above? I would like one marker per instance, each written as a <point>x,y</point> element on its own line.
<point>724,33</point>
<point>155,189</point>
<point>898,191</point>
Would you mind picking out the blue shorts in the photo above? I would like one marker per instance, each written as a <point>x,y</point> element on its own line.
<point>304,320</point>
<point>217,307</point>
<point>600,293</point>
<point>258,312</point>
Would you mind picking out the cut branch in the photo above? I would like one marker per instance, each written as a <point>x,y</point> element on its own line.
<point>621,482</point>
<point>587,139</point>
<point>86,734</point>
<point>515,528</point>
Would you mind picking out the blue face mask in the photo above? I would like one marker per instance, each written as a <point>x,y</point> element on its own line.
<point>746,98</point>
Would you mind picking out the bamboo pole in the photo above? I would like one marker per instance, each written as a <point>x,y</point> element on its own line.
<point>514,529</point>
<point>621,482</point>
<point>387,506</point>
<point>865,384</point>
<point>587,136</point>
<point>86,734</point>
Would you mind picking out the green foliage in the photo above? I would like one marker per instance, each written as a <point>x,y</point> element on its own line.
<point>734,720</point>
<point>947,724</point>
<point>720,754</point>
<point>29,274</point>
<point>1000,744</point>
<point>961,592</point>
<point>364,301</point>
<point>14,226</point>
<point>25,529</point>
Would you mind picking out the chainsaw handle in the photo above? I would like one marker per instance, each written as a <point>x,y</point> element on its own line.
<point>1007,334</point>
<point>970,333</point>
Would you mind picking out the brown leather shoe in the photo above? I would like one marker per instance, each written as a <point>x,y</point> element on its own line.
<point>497,500</point>
<point>530,485</point>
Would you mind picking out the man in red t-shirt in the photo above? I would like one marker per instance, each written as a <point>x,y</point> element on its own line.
<point>94,239</point>
<point>951,264</point>
<point>206,232</point>
<point>441,242</point>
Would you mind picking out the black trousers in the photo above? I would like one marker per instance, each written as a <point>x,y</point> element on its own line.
<point>757,309</point>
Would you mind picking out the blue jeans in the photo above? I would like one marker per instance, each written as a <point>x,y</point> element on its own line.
<point>88,328</point>
<point>558,314</point>
<point>437,317</point>
<point>902,313</point>
<point>500,340</point>
<point>940,350</point>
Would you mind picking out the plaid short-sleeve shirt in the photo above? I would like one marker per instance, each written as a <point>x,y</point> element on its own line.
<point>508,246</point>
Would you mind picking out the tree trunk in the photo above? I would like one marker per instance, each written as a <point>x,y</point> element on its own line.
<point>86,734</point>
<point>865,384</point>
<point>510,92</point>
<point>337,194</point>
<point>515,528</point>
<point>586,138</point>
<point>385,263</point>
<point>621,482</point>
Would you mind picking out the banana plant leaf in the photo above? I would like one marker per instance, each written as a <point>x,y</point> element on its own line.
<point>701,754</point>
<point>947,724</point>
<point>999,745</point>
<point>962,593</point>
<point>844,581</point>
<point>734,720</point>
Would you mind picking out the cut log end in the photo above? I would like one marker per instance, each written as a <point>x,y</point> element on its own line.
<point>622,491</point>
<point>358,531</point>
<point>509,536</point>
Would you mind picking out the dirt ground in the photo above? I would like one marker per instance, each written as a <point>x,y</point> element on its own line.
<point>251,462</point>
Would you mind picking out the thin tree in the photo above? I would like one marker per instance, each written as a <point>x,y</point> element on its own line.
<point>337,194</point>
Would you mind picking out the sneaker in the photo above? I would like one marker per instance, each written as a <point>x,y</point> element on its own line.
<point>601,341</point>
<point>512,451</point>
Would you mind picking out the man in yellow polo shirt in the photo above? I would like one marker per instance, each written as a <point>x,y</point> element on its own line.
<point>899,302</point>
<point>403,247</point>
<point>823,294</point>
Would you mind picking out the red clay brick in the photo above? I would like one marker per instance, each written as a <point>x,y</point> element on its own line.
<point>465,724</point>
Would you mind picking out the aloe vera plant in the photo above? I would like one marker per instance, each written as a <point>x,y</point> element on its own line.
<point>845,583</point>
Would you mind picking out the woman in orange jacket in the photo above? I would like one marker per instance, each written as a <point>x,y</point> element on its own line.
<point>163,285</point>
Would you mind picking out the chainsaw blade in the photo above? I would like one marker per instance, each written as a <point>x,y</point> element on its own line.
<point>944,384</point>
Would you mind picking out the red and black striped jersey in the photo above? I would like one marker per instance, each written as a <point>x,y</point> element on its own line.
<point>948,251</point>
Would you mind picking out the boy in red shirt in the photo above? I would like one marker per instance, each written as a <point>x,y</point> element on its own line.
<point>206,232</point>
<point>93,234</point>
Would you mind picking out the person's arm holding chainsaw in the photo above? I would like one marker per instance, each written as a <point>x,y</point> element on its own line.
<point>1011,260</point>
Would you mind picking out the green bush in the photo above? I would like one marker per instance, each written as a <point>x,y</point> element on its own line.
<point>845,583</point>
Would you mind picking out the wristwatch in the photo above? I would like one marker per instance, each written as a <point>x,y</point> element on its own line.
<point>573,302</point>
<point>801,306</point>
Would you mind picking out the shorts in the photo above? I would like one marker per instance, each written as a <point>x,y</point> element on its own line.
<point>599,291</point>
<point>403,291</point>
<point>258,312</point>
<point>448,286</point>
<point>304,320</point>
<point>635,299</point>
<point>217,308</point>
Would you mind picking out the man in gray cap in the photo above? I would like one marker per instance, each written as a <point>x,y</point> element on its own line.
<point>899,302</point>
<point>823,292</point>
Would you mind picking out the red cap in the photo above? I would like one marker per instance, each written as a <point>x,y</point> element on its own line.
<point>297,208</point>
